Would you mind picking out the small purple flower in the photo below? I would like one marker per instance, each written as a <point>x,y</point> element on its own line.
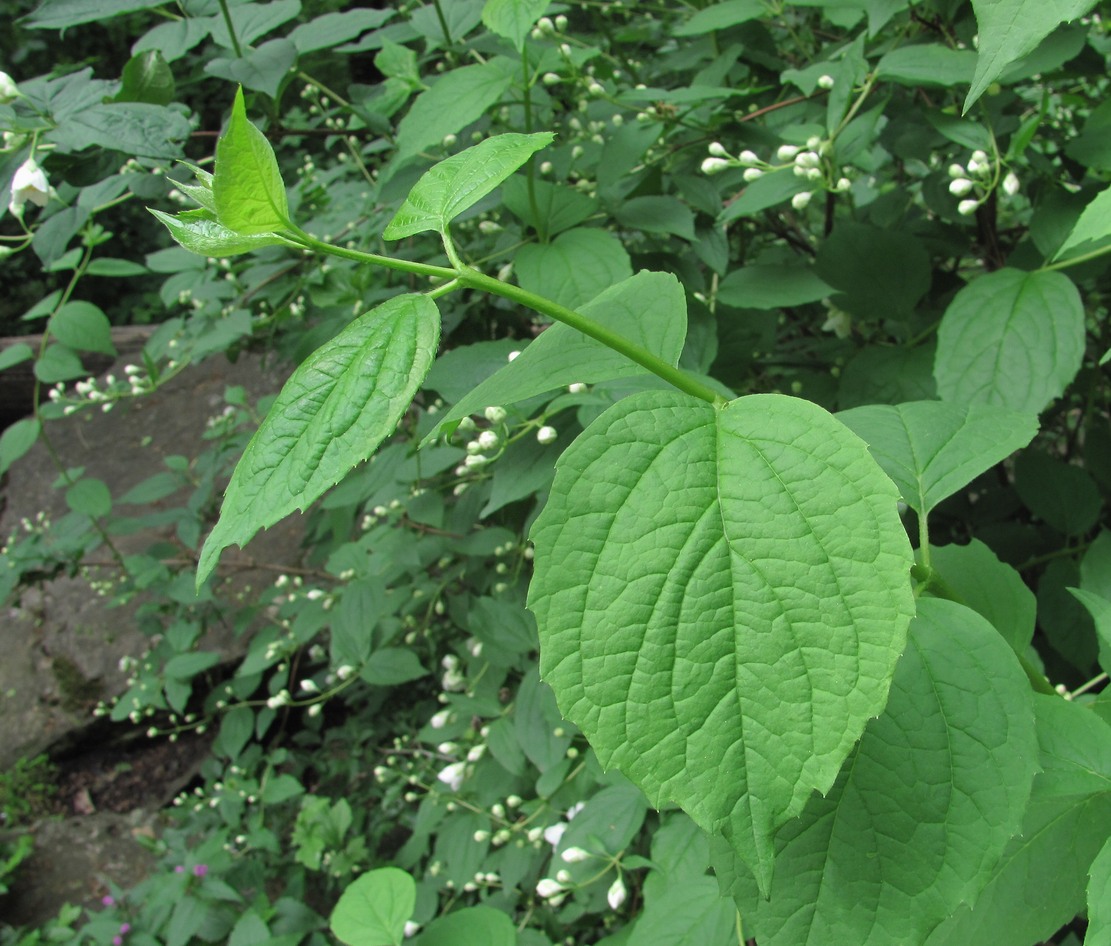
<point>125,928</point>
<point>108,900</point>
<point>199,870</point>
<point>117,941</point>
<point>179,869</point>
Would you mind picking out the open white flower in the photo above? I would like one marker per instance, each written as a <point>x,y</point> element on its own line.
<point>453,775</point>
<point>29,184</point>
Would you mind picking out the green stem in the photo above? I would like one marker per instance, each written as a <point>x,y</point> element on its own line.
<point>406,266</point>
<point>619,343</point>
<point>443,20</point>
<point>923,540</point>
<point>231,29</point>
<point>1075,260</point>
<point>530,165</point>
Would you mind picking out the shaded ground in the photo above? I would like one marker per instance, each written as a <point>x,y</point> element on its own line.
<point>61,646</point>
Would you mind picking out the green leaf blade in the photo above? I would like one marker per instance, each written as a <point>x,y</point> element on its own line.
<point>374,908</point>
<point>648,308</point>
<point>333,412</point>
<point>1010,338</point>
<point>931,449</point>
<point>953,759</point>
<point>678,635</point>
<point>513,19</point>
<point>198,232</point>
<point>456,183</point>
<point>248,188</point>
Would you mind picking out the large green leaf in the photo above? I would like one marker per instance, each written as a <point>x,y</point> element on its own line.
<point>1009,29</point>
<point>263,69</point>
<point>58,14</point>
<point>922,812</point>
<point>722,595</point>
<point>374,908</point>
<point>447,189</point>
<point>1010,338</point>
<point>546,206</point>
<point>931,449</point>
<point>880,274</point>
<point>1099,899</point>
<point>248,188</point>
<point>1038,885</point>
<point>458,98</point>
<point>471,926</point>
<point>135,128</point>
<point>974,576</point>
<point>648,308</point>
<point>1093,228</point>
<point>513,19</point>
<point>574,267</point>
<point>200,233</point>
<point>333,412</point>
<point>657,214</point>
<point>771,286</point>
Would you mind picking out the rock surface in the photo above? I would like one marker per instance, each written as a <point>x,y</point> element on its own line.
<point>62,644</point>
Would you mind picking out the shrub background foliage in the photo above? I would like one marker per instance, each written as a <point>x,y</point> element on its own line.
<point>777,606</point>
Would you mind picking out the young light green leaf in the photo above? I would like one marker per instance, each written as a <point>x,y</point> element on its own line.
<point>333,412</point>
<point>681,634</point>
<point>648,308</point>
<point>248,188</point>
<point>374,908</point>
<point>1038,884</point>
<point>1093,226</point>
<point>1099,899</point>
<point>1010,338</point>
<point>931,449</point>
<point>574,267</point>
<point>458,98</point>
<point>1009,29</point>
<point>199,232</point>
<point>952,758</point>
<point>513,19</point>
<point>447,189</point>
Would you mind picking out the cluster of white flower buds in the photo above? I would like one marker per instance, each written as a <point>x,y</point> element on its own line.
<point>809,162</point>
<point>134,382</point>
<point>974,181</point>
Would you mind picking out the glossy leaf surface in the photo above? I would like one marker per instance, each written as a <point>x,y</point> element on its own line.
<point>248,188</point>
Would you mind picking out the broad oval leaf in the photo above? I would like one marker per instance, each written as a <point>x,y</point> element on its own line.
<point>648,308</point>
<point>772,285</point>
<point>343,401</point>
<point>722,595</point>
<point>513,19</point>
<point>574,267</point>
<point>83,326</point>
<point>248,188</point>
<point>1010,338</point>
<point>447,189</point>
<point>927,804</point>
<point>1038,884</point>
<point>931,449</point>
<point>374,908</point>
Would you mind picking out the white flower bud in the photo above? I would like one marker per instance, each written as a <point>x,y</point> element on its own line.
<point>961,186</point>
<point>495,415</point>
<point>547,435</point>
<point>554,832</point>
<point>574,855</point>
<point>967,207</point>
<point>596,89</point>
<point>411,929</point>
<point>1010,184</point>
<point>843,185</point>
<point>807,159</point>
<point>8,89</point>
<point>752,174</point>
<point>714,165</point>
<point>551,78</point>
<point>616,894</point>
<point>488,440</point>
<point>786,152</point>
<point>825,82</point>
<point>748,157</point>
<point>548,888</point>
<point>801,200</point>
<point>717,150</point>
<point>561,23</point>
<point>453,775</point>
<point>956,170</point>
